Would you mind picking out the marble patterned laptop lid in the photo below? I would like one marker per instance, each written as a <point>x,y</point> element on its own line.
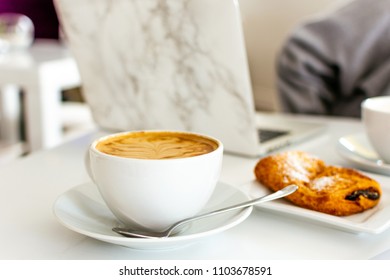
<point>164,64</point>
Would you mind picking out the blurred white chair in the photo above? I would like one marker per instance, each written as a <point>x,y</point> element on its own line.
<point>41,72</point>
<point>32,79</point>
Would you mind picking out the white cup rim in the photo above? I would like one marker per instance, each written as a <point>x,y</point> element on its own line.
<point>378,104</point>
<point>119,158</point>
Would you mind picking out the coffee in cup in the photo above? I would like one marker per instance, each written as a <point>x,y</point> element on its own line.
<point>376,120</point>
<point>151,179</point>
<point>156,145</point>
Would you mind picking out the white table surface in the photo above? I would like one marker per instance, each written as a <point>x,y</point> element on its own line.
<point>29,229</point>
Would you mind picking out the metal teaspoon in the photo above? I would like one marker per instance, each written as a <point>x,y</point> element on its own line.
<point>128,232</point>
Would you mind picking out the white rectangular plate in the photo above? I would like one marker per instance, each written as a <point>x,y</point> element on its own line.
<point>372,221</point>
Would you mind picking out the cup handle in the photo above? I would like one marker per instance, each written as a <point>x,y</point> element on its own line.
<point>87,164</point>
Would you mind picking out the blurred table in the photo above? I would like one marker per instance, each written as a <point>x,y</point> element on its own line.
<point>30,186</point>
<point>41,72</point>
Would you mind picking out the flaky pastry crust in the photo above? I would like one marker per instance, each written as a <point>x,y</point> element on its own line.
<point>329,189</point>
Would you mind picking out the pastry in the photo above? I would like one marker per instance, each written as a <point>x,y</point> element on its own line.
<point>329,189</point>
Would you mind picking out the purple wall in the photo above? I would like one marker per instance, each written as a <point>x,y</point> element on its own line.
<point>41,12</point>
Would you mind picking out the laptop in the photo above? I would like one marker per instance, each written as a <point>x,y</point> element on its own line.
<point>181,65</point>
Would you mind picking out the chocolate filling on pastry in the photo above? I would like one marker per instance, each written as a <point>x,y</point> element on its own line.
<point>369,193</point>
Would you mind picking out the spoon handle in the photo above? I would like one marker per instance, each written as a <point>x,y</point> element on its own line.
<point>280,193</point>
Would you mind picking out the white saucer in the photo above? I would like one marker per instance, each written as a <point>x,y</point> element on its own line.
<point>82,209</point>
<point>357,149</point>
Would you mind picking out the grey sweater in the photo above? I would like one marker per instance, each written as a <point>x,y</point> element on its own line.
<point>330,64</point>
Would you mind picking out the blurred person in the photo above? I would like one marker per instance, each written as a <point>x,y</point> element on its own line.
<point>331,63</point>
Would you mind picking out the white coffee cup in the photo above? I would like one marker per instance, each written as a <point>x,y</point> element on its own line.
<point>376,120</point>
<point>155,193</point>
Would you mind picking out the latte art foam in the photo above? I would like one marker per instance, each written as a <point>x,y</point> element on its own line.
<point>156,145</point>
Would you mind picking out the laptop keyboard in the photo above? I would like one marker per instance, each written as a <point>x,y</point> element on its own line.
<point>267,134</point>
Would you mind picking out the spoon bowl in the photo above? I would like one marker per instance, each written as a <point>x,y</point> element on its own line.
<point>128,232</point>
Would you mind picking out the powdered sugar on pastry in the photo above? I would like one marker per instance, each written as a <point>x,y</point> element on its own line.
<point>322,183</point>
<point>325,188</point>
<point>295,168</point>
